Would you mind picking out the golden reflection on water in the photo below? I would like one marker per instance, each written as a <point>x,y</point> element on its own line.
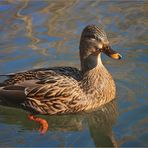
<point>55,8</point>
<point>28,24</point>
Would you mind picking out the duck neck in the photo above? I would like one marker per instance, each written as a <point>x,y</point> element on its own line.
<point>91,63</point>
<point>97,83</point>
<point>93,76</point>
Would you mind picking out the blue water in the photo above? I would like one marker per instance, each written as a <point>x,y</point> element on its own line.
<point>39,33</point>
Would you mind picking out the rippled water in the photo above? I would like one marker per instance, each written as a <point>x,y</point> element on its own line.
<point>39,33</point>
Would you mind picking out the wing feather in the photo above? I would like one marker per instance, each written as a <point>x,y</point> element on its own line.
<point>54,97</point>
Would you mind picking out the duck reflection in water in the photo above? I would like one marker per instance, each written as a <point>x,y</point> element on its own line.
<point>99,123</point>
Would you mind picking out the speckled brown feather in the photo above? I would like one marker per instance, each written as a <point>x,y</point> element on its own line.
<point>39,74</point>
<point>60,96</point>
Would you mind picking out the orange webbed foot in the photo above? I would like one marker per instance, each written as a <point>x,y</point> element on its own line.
<point>43,123</point>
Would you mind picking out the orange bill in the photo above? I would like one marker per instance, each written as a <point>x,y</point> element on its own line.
<point>111,53</point>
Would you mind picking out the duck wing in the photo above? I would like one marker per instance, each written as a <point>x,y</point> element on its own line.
<point>45,91</point>
<point>16,78</point>
<point>59,94</point>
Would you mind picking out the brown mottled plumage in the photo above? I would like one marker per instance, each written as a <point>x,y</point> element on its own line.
<point>61,90</point>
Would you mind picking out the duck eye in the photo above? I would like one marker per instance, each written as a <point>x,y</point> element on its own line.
<point>107,47</point>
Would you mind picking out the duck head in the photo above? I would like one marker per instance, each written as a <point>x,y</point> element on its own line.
<point>93,42</point>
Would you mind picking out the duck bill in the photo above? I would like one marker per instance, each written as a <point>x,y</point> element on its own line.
<point>111,53</point>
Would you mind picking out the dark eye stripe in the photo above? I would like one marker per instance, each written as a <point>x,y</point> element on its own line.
<point>90,36</point>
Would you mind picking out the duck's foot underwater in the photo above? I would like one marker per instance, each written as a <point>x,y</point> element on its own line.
<point>43,123</point>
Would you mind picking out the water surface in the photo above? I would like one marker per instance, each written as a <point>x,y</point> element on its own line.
<point>39,33</point>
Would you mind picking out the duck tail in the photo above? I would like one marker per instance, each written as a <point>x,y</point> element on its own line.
<point>4,77</point>
<point>7,75</point>
<point>1,85</point>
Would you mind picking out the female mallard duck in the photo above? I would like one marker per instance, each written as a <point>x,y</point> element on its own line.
<point>62,90</point>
